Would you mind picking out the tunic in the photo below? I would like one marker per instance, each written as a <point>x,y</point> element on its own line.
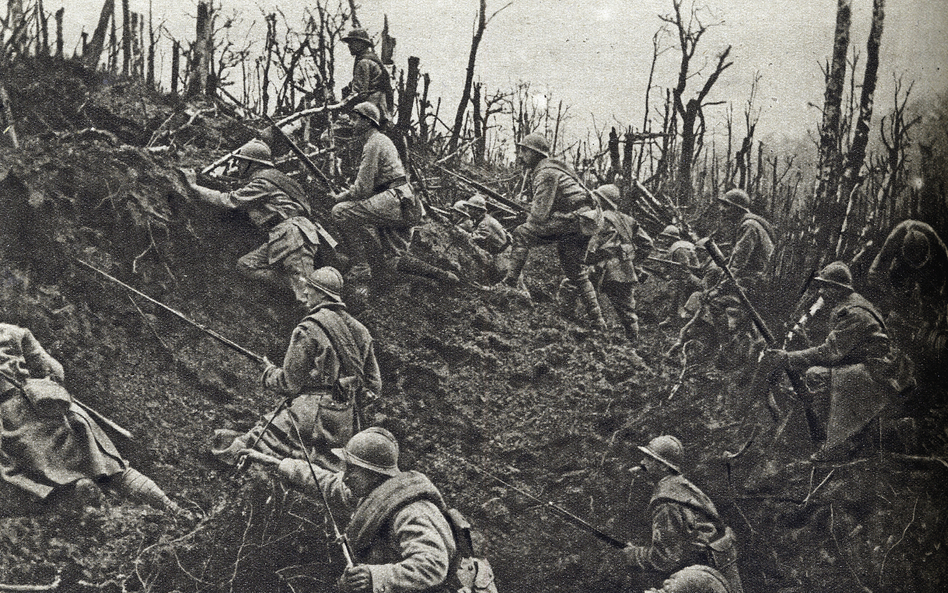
<point>753,248</point>
<point>889,268</point>
<point>39,454</point>
<point>371,82</point>
<point>490,235</point>
<point>398,531</point>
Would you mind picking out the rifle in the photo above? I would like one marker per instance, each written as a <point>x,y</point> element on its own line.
<point>502,203</point>
<point>817,434</point>
<point>179,315</point>
<point>563,513</point>
<point>343,541</point>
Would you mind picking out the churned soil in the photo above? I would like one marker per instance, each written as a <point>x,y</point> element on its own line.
<point>470,377</point>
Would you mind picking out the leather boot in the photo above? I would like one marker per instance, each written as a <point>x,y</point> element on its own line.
<point>587,293</point>
<point>518,259</point>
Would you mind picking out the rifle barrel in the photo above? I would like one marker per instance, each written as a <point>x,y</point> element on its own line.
<point>178,314</point>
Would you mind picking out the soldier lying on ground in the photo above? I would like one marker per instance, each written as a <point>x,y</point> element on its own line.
<point>48,443</point>
<point>329,365</point>
<point>856,372</point>
<point>400,538</point>
<point>278,206</point>
<point>686,527</point>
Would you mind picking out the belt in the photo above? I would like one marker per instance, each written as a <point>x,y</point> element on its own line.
<point>392,184</point>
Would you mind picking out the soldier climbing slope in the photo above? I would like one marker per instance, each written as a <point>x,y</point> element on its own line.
<point>380,199</point>
<point>328,367</point>
<point>400,538</point>
<point>617,243</point>
<point>49,443</point>
<point>278,206</point>
<point>558,199</point>
<point>370,80</point>
<point>686,527</point>
<point>683,276</point>
<point>856,372</point>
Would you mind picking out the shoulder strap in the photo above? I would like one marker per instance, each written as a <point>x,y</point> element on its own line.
<point>342,340</point>
<point>287,185</point>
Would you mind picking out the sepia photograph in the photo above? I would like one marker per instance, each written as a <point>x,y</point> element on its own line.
<point>474,296</point>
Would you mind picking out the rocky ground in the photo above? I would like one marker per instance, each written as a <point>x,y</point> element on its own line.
<point>469,377</point>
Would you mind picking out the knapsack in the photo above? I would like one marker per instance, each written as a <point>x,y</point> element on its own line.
<point>467,573</point>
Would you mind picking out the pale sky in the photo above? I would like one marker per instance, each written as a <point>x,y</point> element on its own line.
<point>595,54</point>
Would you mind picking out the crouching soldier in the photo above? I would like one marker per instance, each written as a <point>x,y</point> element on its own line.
<point>856,372</point>
<point>48,442</point>
<point>488,233</point>
<point>397,529</point>
<point>328,371</point>
<point>695,579</point>
<point>686,528</point>
<point>278,206</point>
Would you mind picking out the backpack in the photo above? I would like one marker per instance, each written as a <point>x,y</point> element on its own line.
<point>467,573</point>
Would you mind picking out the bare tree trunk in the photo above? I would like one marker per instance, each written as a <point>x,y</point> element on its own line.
<point>406,98</point>
<point>201,54</point>
<point>150,76</point>
<point>175,66</point>
<point>59,32</point>
<point>469,76</point>
<point>265,81</point>
<point>857,151</point>
<point>352,10</point>
<point>126,40</point>
<point>6,114</point>
<point>93,51</point>
<point>17,24</point>
<point>388,44</point>
<point>43,23</point>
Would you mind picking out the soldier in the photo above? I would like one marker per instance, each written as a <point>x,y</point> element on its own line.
<point>617,243</point>
<point>278,206</point>
<point>855,372</point>
<point>460,216</point>
<point>397,530</point>
<point>488,234</point>
<point>753,240</point>
<point>913,264</point>
<point>328,371</point>
<point>380,197</point>
<point>695,579</point>
<point>49,443</point>
<point>686,528</point>
<point>558,199</point>
<point>684,280</point>
<point>370,79</point>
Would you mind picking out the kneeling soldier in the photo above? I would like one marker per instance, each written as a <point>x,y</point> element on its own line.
<point>686,528</point>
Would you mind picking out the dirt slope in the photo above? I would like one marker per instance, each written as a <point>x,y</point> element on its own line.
<point>538,400</point>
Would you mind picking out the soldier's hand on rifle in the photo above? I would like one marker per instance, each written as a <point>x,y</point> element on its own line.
<point>189,175</point>
<point>268,368</point>
<point>256,456</point>
<point>356,578</point>
<point>775,358</point>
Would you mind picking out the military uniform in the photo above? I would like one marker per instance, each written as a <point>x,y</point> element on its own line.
<point>39,454</point>
<point>380,197</point>
<point>752,252</point>
<point>490,235</point>
<point>686,530</point>
<point>323,348</point>
<point>278,206</point>
<point>398,531</point>
<point>853,372</point>
<point>371,82</point>
<point>612,252</point>
<point>683,252</point>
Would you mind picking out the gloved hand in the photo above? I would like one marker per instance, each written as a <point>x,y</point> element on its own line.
<point>355,579</point>
<point>245,455</point>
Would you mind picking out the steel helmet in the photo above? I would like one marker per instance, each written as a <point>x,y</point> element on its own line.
<point>255,151</point>
<point>459,206</point>
<point>357,34</point>
<point>666,449</point>
<point>609,191</point>
<point>915,248</point>
<point>671,231</point>
<point>696,579</point>
<point>477,201</point>
<point>327,280</point>
<point>736,197</point>
<point>374,449</point>
<point>369,112</point>
<point>537,143</point>
<point>836,274</point>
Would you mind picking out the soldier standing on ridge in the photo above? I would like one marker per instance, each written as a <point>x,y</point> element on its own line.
<point>686,527</point>
<point>277,205</point>
<point>397,530</point>
<point>370,79</point>
<point>380,198</point>
<point>329,363</point>
<point>558,200</point>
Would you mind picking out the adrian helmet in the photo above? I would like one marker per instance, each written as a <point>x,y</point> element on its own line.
<point>374,449</point>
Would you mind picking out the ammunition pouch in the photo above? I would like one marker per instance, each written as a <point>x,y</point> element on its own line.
<point>466,573</point>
